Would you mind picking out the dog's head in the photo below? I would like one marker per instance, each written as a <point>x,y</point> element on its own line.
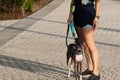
<point>76,48</point>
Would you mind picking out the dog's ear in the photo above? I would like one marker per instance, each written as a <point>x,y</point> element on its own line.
<point>78,41</point>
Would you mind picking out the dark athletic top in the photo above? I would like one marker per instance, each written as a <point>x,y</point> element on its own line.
<point>79,1</point>
<point>83,14</point>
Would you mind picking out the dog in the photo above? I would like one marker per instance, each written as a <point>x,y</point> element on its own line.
<point>75,57</point>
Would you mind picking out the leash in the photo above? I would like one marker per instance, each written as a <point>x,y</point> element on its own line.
<point>71,26</point>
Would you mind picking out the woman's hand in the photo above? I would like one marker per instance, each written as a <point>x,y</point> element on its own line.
<point>70,18</point>
<point>95,23</point>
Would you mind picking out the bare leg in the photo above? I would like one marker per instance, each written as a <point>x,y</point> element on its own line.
<point>88,58</point>
<point>87,52</point>
<point>88,35</point>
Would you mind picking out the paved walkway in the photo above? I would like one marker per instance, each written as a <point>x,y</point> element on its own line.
<point>34,48</point>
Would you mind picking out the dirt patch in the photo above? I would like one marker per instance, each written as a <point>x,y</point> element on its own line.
<point>5,15</point>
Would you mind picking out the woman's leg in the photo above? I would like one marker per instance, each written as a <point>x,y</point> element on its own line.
<point>88,58</point>
<point>88,35</point>
<point>87,52</point>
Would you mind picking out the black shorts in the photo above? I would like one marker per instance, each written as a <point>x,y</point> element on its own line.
<point>84,15</point>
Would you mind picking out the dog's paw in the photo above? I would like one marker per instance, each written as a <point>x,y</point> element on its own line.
<point>68,76</point>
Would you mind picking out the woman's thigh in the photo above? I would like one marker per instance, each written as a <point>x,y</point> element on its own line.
<point>79,32</point>
<point>88,35</point>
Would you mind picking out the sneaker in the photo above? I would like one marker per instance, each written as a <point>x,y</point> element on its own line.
<point>87,72</point>
<point>94,77</point>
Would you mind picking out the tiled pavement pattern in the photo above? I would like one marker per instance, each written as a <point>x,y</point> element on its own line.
<point>10,29</point>
<point>34,48</point>
<point>6,23</point>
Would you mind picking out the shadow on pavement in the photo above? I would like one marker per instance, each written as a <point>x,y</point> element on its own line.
<point>13,30</point>
<point>60,22</point>
<point>42,69</point>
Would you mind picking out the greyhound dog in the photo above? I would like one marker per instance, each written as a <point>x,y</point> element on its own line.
<point>75,57</point>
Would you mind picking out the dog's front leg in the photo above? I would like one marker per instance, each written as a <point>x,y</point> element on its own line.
<point>80,67</point>
<point>69,66</point>
<point>75,69</point>
<point>80,70</point>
